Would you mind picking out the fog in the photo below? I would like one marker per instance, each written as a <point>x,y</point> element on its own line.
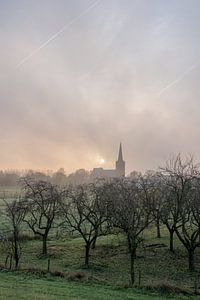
<point>117,70</point>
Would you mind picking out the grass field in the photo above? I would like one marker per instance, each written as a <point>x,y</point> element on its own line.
<point>155,264</point>
<point>109,269</point>
<point>19,287</point>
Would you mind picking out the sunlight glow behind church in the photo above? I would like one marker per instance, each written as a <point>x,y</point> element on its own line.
<point>119,170</point>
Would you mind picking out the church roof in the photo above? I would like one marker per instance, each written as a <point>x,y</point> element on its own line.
<point>120,156</point>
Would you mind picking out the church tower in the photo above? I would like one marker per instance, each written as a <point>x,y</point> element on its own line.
<point>120,164</point>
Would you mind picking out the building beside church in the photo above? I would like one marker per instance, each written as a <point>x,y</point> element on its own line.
<point>119,170</point>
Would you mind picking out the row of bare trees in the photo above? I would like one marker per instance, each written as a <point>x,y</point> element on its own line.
<point>170,197</point>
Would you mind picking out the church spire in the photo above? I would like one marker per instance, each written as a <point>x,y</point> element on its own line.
<point>120,164</point>
<point>120,156</point>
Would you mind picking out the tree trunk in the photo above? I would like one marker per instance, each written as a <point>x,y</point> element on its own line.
<point>87,254</point>
<point>171,241</point>
<point>44,244</point>
<point>10,267</point>
<point>16,249</point>
<point>16,255</point>
<point>133,266</point>
<point>94,242</point>
<point>129,243</point>
<point>6,261</point>
<point>158,227</point>
<point>130,246</point>
<point>191,260</point>
<point>171,236</point>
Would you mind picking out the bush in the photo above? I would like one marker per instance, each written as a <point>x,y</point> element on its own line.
<point>77,276</point>
<point>165,287</point>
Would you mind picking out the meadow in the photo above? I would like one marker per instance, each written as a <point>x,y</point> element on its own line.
<point>62,274</point>
<point>157,270</point>
<point>17,286</point>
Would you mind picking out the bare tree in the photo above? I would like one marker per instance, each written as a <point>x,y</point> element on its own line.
<point>171,209</point>
<point>181,211</point>
<point>99,193</point>
<point>84,213</point>
<point>42,203</point>
<point>129,214</point>
<point>151,185</point>
<point>188,231</point>
<point>15,212</point>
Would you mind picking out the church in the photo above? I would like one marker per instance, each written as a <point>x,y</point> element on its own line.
<point>118,172</point>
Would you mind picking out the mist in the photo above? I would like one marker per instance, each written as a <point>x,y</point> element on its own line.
<point>123,71</point>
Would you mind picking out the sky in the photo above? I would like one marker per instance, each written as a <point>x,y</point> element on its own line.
<point>79,76</point>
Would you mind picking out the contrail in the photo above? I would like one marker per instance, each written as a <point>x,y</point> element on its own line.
<point>106,48</point>
<point>54,36</point>
<point>177,80</point>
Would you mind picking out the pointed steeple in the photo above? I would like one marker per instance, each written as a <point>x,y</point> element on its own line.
<point>120,164</point>
<point>120,156</point>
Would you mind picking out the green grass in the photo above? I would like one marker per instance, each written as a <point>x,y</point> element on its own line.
<point>109,267</point>
<point>19,287</point>
<point>155,264</point>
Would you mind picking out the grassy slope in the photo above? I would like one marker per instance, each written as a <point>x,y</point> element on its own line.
<point>19,287</point>
<point>67,255</point>
<point>156,264</point>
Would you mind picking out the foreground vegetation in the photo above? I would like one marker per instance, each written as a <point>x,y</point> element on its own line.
<point>141,232</point>
<point>18,286</point>
<point>157,269</point>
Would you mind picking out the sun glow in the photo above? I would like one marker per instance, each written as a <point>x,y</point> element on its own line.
<point>102,161</point>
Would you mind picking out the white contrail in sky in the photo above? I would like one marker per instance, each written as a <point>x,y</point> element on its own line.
<point>54,36</point>
<point>181,77</point>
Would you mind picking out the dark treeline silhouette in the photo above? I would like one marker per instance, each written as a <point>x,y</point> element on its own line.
<point>129,205</point>
<point>10,178</point>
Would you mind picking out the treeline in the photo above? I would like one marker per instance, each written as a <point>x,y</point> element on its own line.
<point>169,197</point>
<point>11,178</point>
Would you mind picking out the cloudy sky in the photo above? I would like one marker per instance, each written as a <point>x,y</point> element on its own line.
<point>79,76</point>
